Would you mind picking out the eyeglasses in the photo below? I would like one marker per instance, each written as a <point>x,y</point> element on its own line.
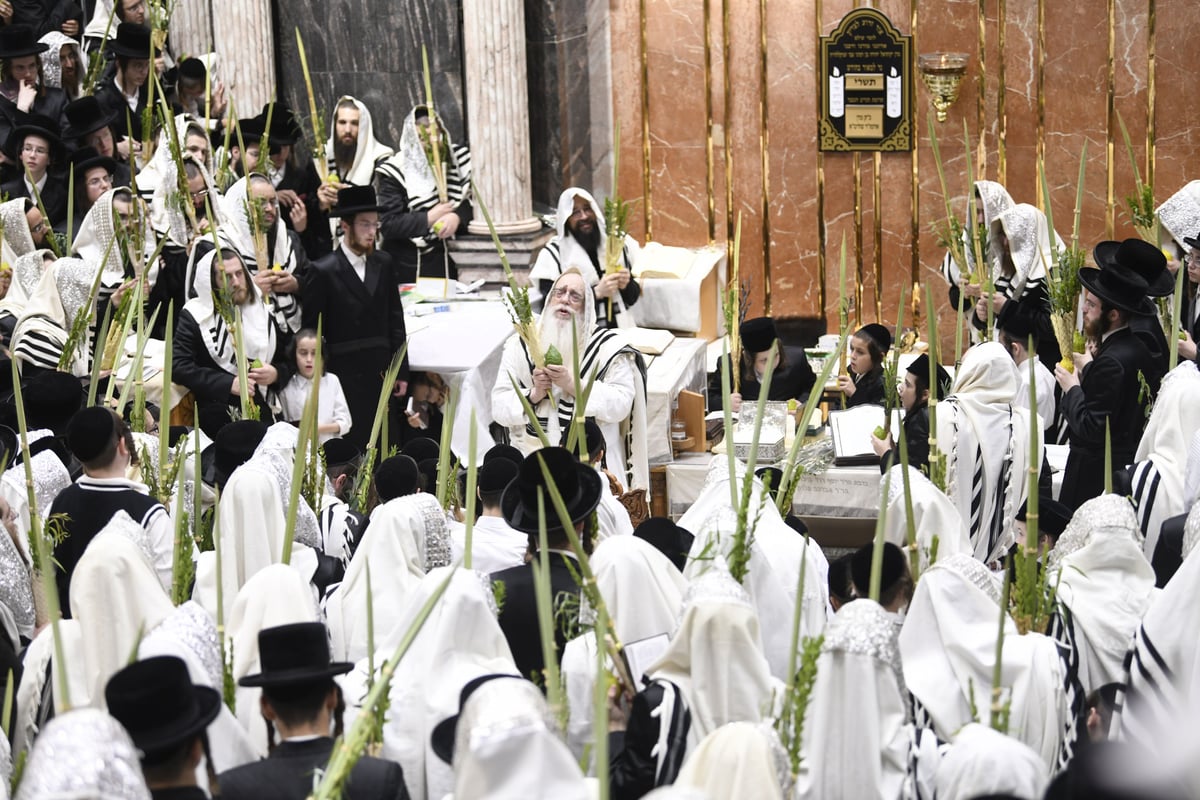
<point>199,194</point>
<point>41,226</point>
<point>368,226</point>
<point>586,211</point>
<point>97,182</point>
<point>34,149</point>
<point>570,294</point>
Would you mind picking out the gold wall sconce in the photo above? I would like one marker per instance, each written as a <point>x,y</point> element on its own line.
<point>942,73</point>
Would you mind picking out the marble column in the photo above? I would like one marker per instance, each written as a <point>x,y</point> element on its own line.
<point>498,107</point>
<point>245,33</point>
<point>191,27</point>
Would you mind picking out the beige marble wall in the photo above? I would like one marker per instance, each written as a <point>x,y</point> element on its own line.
<point>1076,81</point>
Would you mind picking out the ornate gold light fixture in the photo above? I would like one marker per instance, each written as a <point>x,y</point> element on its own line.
<point>942,74</point>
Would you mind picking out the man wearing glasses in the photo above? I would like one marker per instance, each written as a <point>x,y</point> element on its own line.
<point>35,147</point>
<point>1190,321</point>
<point>355,293</point>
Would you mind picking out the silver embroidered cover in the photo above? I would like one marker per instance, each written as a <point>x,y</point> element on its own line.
<point>1106,515</point>
<point>974,571</point>
<point>1180,213</point>
<point>85,753</point>
<point>865,628</point>
<point>191,629</point>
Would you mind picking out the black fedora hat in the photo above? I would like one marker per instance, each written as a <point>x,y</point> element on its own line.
<point>52,399</point>
<point>667,538</point>
<point>444,733</point>
<point>35,125</point>
<point>579,485</point>
<point>1192,241</point>
<point>156,701</point>
<point>284,127</point>
<point>292,655</point>
<point>757,334</point>
<point>86,158</point>
<point>19,40</point>
<point>252,129</point>
<point>132,41</point>
<point>1120,287</point>
<point>85,116</point>
<point>234,445</point>
<point>354,200</point>
<point>1143,258</point>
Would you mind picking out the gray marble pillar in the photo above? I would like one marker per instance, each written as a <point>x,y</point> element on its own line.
<point>498,102</point>
<point>245,33</point>
<point>191,27</point>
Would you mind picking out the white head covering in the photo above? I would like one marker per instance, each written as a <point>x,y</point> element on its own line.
<point>259,335</point>
<point>412,163</point>
<point>948,649</point>
<point>83,755</point>
<point>52,62</point>
<point>570,252</point>
<point>775,560</point>
<point>65,289</point>
<point>989,438</point>
<point>1104,585</point>
<point>738,760</point>
<point>506,746</point>
<point>397,548</point>
<point>1180,213</point>
<point>16,590</point>
<point>27,274</point>
<point>1028,243</point>
<point>983,762</point>
<point>16,227</point>
<point>368,150</point>
<point>167,214</point>
<point>715,657</point>
<point>117,598</point>
<point>276,595</point>
<point>857,715</point>
<point>1161,461</point>
<point>460,641</point>
<point>98,229</point>
<point>934,514</point>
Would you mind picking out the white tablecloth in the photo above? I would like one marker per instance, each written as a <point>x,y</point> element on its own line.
<point>680,366</point>
<point>674,303</point>
<point>464,346</point>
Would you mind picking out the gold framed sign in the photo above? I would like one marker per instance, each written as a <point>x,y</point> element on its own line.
<point>867,91</point>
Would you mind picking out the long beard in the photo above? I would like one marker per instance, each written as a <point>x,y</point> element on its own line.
<point>1095,329</point>
<point>343,153</point>
<point>590,241</point>
<point>557,332</point>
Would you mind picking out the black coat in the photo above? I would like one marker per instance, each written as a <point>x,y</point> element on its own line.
<point>112,100</point>
<point>868,390</point>
<point>53,196</point>
<point>400,224</point>
<point>193,366</point>
<point>287,774</point>
<point>916,434</point>
<point>316,240</point>
<point>518,615</point>
<point>792,383</point>
<point>363,326</point>
<point>51,102</point>
<point>1109,391</point>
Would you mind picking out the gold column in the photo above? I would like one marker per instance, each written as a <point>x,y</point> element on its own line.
<point>764,145</point>
<point>645,57</point>
<point>1151,59</point>
<point>981,156</point>
<point>821,293</point>
<point>858,238</point>
<point>877,201</point>
<point>915,264</point>
<point>1111,108</point>
<point>1040,144</point>
<point>710,167</point>
<point>727,126</point>
<point>1001,114</point>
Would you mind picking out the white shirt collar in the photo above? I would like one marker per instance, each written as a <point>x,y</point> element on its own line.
<point>41,185</point>
<point>358,262</point>
<point>1104,338</point>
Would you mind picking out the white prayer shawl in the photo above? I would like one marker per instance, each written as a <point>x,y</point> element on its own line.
<point>948,651</point>
<point>161,169</point>
<point>856,712</point>
<point>934,514</point>
<point>44,328</point>
<point>1160,464</point>
<point>776,557</point>
<point>1180,214</point>
<point>27,274</point>
<point>368,150</point>
<point>253,519</point>
<point>17,236</point>
<point>40,668</point>
<point>393,549</point>
<point>460,641</point>
<point>258,333</point>
<point>84,755</point>
<point>617,401</point>
<point>98,230</point>
<point>1163,679</point>
<point>168,217</point>
<point>494,545</point>
<point>643,592</point>
<point>736,761</point>
<point>564,251</point>
<point>715,659</point>
<point>1191,485</point>
<point>612,517</point>
<point>276,595</point>
<point>50,477</point>
<point>988,448</point>
<point>984,762</point>
<point>1029,245</point>
<point>1045,390</point>
<point>507,746</point>
<point>1105,585</point>
<point>52,62</point>
<point>993,201</point>
<point>284,307</point>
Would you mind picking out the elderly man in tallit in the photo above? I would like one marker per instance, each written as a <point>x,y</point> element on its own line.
<point>948,652</point>
<point>1104,588</point>
<point>987,441</point>
<point>618,397</point>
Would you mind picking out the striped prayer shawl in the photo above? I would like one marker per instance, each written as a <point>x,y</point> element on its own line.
<point>1062,631</point>
<point>458,188</point>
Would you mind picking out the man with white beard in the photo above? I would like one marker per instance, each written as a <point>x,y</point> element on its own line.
<point>618,398</point>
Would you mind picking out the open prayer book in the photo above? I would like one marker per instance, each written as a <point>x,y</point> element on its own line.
<point>851,431</point>
<point>649,341</point>
<point>659,261</point>
<point>642,654</point>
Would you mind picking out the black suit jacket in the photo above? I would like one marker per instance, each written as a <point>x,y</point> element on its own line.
<point>316,240</point>
<point>287,774</point>
<point>1109,391</point>
<point>518,615</point>
<point>53,196</point>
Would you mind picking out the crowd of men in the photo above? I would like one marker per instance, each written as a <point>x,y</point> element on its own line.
<point>187,612</point>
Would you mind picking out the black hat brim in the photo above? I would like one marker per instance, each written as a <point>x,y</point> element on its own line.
<point>116,48</point>
<point>82,167</point>
<point>106,121</point>
<point>177,732</point>
<point>1192,241</point>
<point>57,149</point>
<point>1105,254</point>
<point>1090,278</point>
<point>525,520</point>
<point>350,211</point>
<point>297,675</point>
<point>33,48</point>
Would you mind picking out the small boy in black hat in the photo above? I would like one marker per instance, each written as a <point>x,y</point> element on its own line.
<point>915,396</point>
<point>166,717</point>
<point>302,703</point>
<point>863,383</point>
<point>792,378</point>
